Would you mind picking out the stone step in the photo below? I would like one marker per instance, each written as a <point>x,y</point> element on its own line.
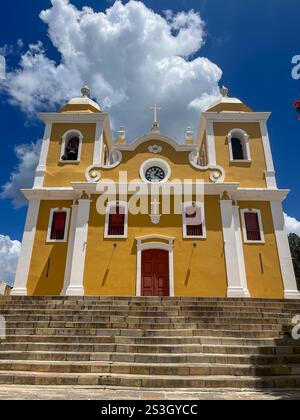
<point>146,358</point>
<point>207,332</point>
<point>15,319</point>
<point>149,340</point>
<point>179,369</point>
<point>147,326</point>
<point>140,381</point>
<point>150,348</point>
<point>12,314</point>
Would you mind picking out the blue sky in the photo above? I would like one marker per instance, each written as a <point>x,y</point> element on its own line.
<point>251,42</point>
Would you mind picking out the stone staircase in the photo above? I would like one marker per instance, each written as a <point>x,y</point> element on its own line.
<point>149,342</point>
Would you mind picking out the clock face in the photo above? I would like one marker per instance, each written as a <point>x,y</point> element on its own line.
<point>155,174</point>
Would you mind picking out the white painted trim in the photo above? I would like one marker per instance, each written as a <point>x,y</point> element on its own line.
<point>113,204</point>
<point>155,162</point>
<point>201,206</point>
<point>284,253</point>
<point>70,252</point>
<point>75,287</point>
<point>210,143</point>
<point>155,245</point>
<point>65,138</point>
<point>240,250</point>
<point>160,237</point>
<point>235,282</point>
<point>41,168</point>
<point>52,212</point>
<point>98,144</point>
<point>236,116</point>
<point>261,227</point>
<point>244,138</point>
<point>153,136</point>
<point>270,172</point>
<point>20,286</point>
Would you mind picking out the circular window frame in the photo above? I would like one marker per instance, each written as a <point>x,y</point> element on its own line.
<point>155,162</point>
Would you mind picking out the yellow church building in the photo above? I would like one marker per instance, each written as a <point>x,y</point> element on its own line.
<point>155,217</point>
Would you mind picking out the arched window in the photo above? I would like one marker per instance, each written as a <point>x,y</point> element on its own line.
<point>239,149</point>
<point>71,146</point>
<point>116,223</point>
<point>194,220</point>
<point>58,225</point>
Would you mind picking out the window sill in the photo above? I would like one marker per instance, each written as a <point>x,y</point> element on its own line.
<point>241,161</point>
<point>194,237</point>
<point>254,242</point>
<point>49,241</point>
<point>69,162</point>
<point>115,237</point>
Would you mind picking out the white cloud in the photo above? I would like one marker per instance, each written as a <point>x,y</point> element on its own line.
<point>23,174</point>
<point>9,255</point>
<point>292,224</point>
<point>130,56</point>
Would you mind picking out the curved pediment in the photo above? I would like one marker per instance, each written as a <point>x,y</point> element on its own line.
<point>156,137</point>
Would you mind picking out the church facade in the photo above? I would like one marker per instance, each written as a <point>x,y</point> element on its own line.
<point>154,217</point>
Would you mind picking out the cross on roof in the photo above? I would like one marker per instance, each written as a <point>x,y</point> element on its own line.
<point>155,108</point>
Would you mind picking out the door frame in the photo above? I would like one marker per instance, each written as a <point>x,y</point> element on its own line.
<point>144,246</point>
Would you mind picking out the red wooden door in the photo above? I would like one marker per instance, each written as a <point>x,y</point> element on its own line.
<point>155,273</point>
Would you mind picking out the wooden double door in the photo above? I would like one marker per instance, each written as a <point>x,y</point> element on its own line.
<point>155,273</point>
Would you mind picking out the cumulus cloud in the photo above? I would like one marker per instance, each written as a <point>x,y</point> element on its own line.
<point>23,174</point>
<point>9,255</point>
<point>292,224</point>
<point>130,56</point>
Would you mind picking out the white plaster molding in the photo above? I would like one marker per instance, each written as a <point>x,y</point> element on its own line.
<point>260,222</point>
<point>270,172</point>
<point>240,249</point>
<point>155,149</point>
<point>218,176</point>
<point>65,138</point>
<point>98,144</point>
<point>155,136</point>
<point>20,286</point>
<point>111,204</point>
<point>184,219</point>
<point>236,116</point>
<point>70,250</point>
<point>52,212</point>
<point>231,248</point>
<point>284,253</point>
<point>141,246</point>
<point>155,162</point>
<point>210,143</point>
<point>244,138</point>
<point>75,287</point>
<point>41,168</point>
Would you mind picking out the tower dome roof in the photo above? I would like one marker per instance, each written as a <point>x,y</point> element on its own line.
<point>82,104</point>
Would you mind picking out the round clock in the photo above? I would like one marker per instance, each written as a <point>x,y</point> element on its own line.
<point>155,174</point>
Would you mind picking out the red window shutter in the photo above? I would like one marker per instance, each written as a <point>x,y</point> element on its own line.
<point>58,225</point>
<point>252,227</point>
<point>194,225</point>
<point>116,225</point>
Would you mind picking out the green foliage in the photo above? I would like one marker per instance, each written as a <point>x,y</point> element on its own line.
<point>295,250</point>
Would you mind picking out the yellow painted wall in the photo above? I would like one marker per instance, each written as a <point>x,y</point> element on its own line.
<point>268,284</point>
<point>178,161</point>
<point>38,282</point>
<point>198,272</point>
<point>60,174</point>
<point>249,175</point>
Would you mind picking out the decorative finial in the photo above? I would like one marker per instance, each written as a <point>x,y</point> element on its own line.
<point>189,135</point>
<point>86,91</point>
<point>122,133</point>
<point>155,124</point>
<point>224,91</point>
